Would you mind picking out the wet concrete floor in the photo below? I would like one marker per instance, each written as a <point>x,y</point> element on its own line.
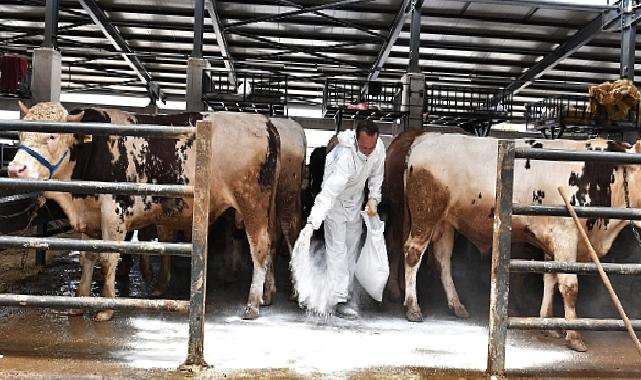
<point>284,342</point>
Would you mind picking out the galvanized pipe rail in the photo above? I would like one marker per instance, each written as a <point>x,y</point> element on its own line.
<point>578,268</point>
<point>96,187</point>
<point>197,249</point>
<point>99,129</point>
<point>502,240</point>
<point>58,302</point>
<point>143,247</point>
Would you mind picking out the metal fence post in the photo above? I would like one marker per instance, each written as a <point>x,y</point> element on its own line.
<point>195,358</point>
<point>501,245</point>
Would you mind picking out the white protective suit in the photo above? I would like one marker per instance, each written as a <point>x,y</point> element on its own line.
<point>339,205</point>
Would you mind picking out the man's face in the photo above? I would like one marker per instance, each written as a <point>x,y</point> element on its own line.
<point>366,143</point>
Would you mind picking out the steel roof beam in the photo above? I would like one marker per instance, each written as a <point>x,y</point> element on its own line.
<point>333,5</point>
<point>550,4</point>
<point>580,38</point>
<point>221,39</point>
<point>386,47</point>
<point>300,49</point>
<point>336,20</point>
<point>115,38</point>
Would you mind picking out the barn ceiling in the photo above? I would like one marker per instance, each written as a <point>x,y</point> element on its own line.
<point>469,43</point>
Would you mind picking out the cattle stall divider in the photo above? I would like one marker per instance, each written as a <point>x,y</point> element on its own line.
<point>502,264</point>
<point>197,249</point>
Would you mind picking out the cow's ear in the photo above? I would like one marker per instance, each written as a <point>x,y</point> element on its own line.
<point>637,146</point>
<point>75,118</point>
<point>24,109</point>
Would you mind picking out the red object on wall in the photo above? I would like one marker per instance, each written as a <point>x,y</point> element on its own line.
<point>13,69</point>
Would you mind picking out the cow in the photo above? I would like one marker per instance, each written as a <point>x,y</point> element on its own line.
<point>91,115</point>
<point>247,185</point>
<point>288,199</point>
<point>450,185</point>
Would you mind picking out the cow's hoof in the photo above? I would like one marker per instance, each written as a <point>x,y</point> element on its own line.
<point>251,313</point>
<point>394,294</point>
<point>103,315</point>
<point>414,315</point>
<point>75,312</point>
<point>576,344</point>
<point>552,334</point>
<point>460,311</point>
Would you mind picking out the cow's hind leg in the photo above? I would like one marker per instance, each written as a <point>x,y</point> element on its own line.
<point>413,250</point>
<point>565,248</point>
<point>547,303</point>
<point>108,264</point>
<point>146,234</point>
<point>427,202</point>
<point>87,263</point>
<point>270,282</point>
<point>113,228</point>
<point>166,235</point>
<point>260,244</point>
<point>394,235</point>
<point>443,253</point>
<point>569,288</point>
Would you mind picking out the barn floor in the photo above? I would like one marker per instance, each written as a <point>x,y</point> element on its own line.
<point>283,342</point>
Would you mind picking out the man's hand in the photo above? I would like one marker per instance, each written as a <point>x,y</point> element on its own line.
<point>371,207</point>
<point>306,233</point>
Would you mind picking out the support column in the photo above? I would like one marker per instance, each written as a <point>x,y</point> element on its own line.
<point>415,36</point>
<point>414,80</point>
<point>628,40</point>
<point>51,24</point>
<point>199,20</point>
<point>46,75</point>
<point>414,98</point>
<point>194,90</point>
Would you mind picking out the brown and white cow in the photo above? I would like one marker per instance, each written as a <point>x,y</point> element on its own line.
<point>99,115</point>
<point>245,160</point>
<point>450,184</point>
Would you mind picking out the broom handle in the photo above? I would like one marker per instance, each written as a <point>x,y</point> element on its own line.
<point>602,274</point>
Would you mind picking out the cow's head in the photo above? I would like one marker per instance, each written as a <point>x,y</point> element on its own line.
<point>41,155</point>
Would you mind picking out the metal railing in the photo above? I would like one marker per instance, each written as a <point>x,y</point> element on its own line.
<point>471,108</point>
<point>378,100</point>
<point>197,249</point>
<point>577,113</point>
<point>249,92</point>
<point>502,264</point>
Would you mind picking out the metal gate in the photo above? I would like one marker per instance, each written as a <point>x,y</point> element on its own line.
<point>502,264</point>
<point>197,249</point>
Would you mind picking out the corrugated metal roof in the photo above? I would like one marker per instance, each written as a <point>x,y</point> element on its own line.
<point>485,44</point>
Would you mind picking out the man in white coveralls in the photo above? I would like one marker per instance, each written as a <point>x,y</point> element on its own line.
<point>359,156</point>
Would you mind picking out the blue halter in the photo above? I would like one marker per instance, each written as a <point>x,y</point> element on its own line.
<point>52,168</point>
